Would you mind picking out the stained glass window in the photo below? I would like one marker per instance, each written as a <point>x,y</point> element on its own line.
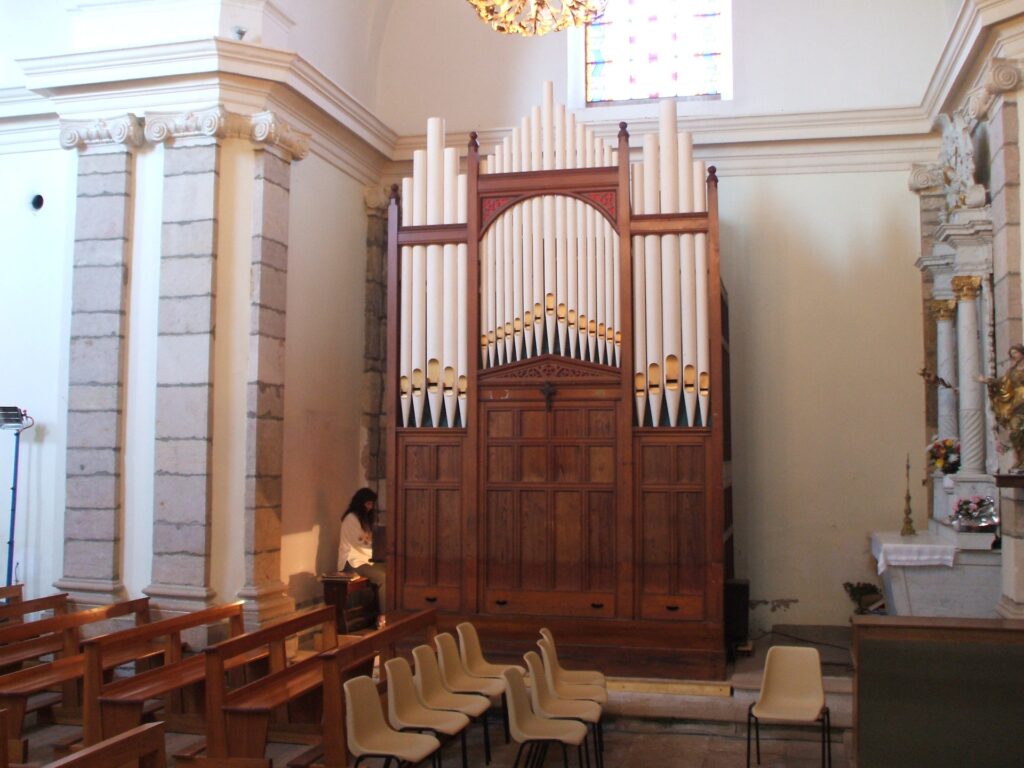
<point>649,49</point>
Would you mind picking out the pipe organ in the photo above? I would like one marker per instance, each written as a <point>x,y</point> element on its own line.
<point>556,389</point>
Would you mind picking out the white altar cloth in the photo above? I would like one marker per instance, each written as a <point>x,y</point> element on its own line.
<point>923,549</point>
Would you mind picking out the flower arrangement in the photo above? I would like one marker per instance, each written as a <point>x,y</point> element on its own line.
<point>974,514</point>
<point>944,455</point>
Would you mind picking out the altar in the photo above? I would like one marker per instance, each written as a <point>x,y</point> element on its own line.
<point>929,575</point>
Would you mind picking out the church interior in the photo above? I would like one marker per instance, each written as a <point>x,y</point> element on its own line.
<point>675,345</point>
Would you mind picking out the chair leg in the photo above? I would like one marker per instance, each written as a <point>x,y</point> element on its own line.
<point>757,738</point>
<point>519,753</point>
<point>504,716</point>
<point>565,755</point>
<point>750,715</point>
<point>465,759</point>
<point>828,735</point>
<point>487,740</point>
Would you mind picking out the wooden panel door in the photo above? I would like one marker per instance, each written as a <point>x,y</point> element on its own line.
<point>548,539</point>
<point>430,522</point>
<point>672,506</point>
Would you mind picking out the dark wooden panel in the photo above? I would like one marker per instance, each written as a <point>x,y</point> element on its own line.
<point>500,423</point>
<point>533,464</point>
<point>568,423</point>
<point>418,527</point>
<point>689,524</point>
<point>449,463</point>
<point>432,596</point>
<point>500,539</point>
<point>448,544</point>
<point>536,546</point>
<point>672,607</point>
<point>419,464</point>
<point>656,553</point>
<point>690,464</point>
<point>569,540</point>
<point>656,465</point>
<point>533,423</point>
<point>500,464</point>
<point>601,461</point>
<point>567,467</point>
<point>601,423</point>
<point>602,553</point>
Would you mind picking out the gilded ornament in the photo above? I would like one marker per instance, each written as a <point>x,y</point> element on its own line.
<point>966,287</point>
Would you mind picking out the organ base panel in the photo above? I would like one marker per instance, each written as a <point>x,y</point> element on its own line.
<point>562,464</point>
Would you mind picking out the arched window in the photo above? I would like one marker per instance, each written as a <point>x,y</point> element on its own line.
<point>650,49</point>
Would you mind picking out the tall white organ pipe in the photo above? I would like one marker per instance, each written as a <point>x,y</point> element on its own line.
<point>560,236</point>
<point>526,145</point>
<point>700,201</point>
<point>669,189</point>
<point>405,345</point>
<point>550,267</point>
<point>609,278</point>
<point>462,289</point>
<point>419,286</point>
<point>449,348</point>
<point>688,308</point>
<point>571,252</point>
<point>435,266</point>
<point>497,230</point>
<point>652,265</point>
<point>517,251</point>
<point>639,302</point>
<point>537,235</point>
<point>599,278</point>
<point>506,249</point>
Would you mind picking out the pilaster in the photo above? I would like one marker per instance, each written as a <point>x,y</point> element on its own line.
<point>375,349</point>
<point>93,516</point>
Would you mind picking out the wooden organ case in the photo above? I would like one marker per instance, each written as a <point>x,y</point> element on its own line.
<point>534,478</point>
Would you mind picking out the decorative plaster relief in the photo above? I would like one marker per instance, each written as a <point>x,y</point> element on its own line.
<point>217,122</point>
<point>925,176</point>
<point>268,128</point>
<point>80,134</point>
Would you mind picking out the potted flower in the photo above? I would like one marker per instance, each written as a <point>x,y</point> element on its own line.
<point>944,455</point>
<point>974,514</point>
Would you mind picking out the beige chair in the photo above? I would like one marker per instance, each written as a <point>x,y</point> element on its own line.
<point>434,694</point>
<point>458,679</point>
<point>538,733</point>
<point>574,676</point>
<point>370,736</point>
<point>566,690</point>
<point>407,712</point>
<point>791,693</point>
<point>547,704</point>
<point>473,656</point>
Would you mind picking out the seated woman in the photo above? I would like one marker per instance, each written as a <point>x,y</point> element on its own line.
<point>355,551</point>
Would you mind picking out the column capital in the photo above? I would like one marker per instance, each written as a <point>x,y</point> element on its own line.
<point>941,309</point>
<point>966,287</point>
<point>1004,75</point>
<point>376,198</point>
<point>125,130</point>
<point>926,176</point>
<point>218,123</point>
<point>267,128</point>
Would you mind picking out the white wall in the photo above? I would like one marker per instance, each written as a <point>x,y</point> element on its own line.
<point>323,368</point>
<point>35,317</point>
<point>825,346</point>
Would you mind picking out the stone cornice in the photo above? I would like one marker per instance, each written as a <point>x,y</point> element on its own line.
<point>966,230</point>
<point>81,134</point>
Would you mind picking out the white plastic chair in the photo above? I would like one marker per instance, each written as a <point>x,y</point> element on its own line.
<point>546,703</point>
<point>574,676</point>
<point>792,693</point>
<point>473,655</point>
<point>370,736</point>
<point>407,712</point>
<point>538,733</point>
<point>566,690</point>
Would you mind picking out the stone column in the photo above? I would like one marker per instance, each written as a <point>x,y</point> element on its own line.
<point>972,405</point>
<point>98,361</point>
<point>185,346</point>
<point>375,349</point>
<point>944,311</point>
<point>264,445</point>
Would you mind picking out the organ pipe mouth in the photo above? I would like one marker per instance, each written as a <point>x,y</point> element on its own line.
<point>705,384</point>
<point>600,330</point>
<point>672,372</point>
<point>610,334</point>
<point>404,386</point>
<point>449,380</point>
<point>433,375</point>
<point>483,340</point>
<point>491,338</point>
<point>528,320</point>
<point>572,317</point>
<point>549,300</point>
<point>690,378</point>
<point>500,334</point>
<point>561,311</point>
<point>654,378</point>
<point>517,324</point>
<point>463,387</point>
<point>618,338</point>
<point>592,327</point>
<point>538,311</point>
<point>639,384</point>
<point>583,323</point>
<point>508,329</point>
<point>417,381</point>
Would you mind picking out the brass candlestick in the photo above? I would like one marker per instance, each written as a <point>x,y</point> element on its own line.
<point>908,522</point>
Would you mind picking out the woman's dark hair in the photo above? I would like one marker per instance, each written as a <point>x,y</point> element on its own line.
<point>357,506</point>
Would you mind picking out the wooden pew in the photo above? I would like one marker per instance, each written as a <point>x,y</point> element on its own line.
<point>273,637</point>
<point>29,689</point>
<point>12,593</point>
<point>143,746</point>
<point>15,612</point>
<point>111,708</point>
<point>247,710</point>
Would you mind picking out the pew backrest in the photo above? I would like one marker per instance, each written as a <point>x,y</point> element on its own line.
<point>17,611</point>
<point>143,746</point>
<point>12,593</point>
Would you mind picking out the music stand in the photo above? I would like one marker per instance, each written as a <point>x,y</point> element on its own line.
<point>17,420</point>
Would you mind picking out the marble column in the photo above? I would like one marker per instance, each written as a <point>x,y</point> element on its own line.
<point>944,312</point>
<point>972,401</point>
<point>264,592</point>
<point>98,358</point>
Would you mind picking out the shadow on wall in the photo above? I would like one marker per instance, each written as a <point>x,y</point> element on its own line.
<point>305,589</point>
<point>329,523</point>
<point>825,347</point>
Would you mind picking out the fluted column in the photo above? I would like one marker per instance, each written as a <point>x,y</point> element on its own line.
<point>97,368</point>
<point>972,402</point>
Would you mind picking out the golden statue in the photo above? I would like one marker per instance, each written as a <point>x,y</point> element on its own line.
<point>1006,393</point>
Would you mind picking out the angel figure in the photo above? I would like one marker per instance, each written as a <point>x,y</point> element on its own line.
<point>1006,393</point>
